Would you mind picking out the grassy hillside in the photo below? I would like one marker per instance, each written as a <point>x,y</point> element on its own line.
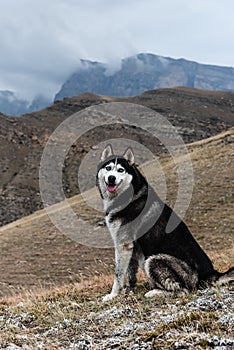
<point>51,287</point>
<point>196,114</point>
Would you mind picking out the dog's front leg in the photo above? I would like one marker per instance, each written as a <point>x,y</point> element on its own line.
<point>123,254</point>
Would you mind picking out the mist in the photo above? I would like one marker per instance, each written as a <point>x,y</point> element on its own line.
<point>42,42</point>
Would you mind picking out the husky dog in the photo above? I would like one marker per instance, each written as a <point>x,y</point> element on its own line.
<point>137,219</point>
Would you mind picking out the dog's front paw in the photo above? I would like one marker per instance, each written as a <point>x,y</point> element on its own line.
<point>109,297</point>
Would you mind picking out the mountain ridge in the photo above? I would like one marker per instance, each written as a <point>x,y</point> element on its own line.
<point>143,72</point>
<point>131,77</point>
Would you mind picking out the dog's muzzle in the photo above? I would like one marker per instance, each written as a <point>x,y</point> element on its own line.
<point>111,185</point>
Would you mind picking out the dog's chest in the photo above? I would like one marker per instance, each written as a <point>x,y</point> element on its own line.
<point>113,225</point>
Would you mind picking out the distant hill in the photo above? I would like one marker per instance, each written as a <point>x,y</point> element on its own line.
<point>197,114</point>
<point>143,72</point>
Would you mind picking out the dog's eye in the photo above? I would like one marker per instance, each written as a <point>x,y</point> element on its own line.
<point>120,170</point>
<point>108,168</point>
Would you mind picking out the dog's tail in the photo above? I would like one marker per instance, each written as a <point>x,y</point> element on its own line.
<point>225,277</point>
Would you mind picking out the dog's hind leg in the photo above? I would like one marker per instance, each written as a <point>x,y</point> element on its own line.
<point>131,273</point>
<point>169,274</point>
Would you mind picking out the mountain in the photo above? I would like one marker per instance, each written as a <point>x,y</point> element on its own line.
<point>144,72</point>
<point>135,75</point>
<point>10,104</point>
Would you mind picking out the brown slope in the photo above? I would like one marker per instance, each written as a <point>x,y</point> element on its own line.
<point>35,254</point>
<point>197,114</point>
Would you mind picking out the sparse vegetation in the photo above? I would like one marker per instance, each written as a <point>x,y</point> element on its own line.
<point>74,317</point>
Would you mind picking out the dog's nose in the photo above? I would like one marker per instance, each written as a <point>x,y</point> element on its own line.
<point>111,179</point>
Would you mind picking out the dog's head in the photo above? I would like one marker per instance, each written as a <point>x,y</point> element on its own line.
<point>115,173</point>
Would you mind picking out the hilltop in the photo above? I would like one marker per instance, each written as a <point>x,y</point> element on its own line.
<point>196,114</point>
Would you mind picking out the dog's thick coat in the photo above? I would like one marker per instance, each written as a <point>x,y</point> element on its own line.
<point>137,219</point>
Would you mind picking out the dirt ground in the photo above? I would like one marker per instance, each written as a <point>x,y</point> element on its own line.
<point>34,254</point>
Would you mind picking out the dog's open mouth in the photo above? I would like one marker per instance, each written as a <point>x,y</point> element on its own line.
<point>112,188</point>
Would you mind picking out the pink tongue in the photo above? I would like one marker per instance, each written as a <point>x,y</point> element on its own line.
<point>111,188</point>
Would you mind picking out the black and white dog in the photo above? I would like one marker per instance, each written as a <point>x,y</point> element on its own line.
<point>137,219</point>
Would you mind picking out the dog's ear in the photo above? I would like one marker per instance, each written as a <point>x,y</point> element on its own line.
<point>107,152</point>
<point>129,156</point>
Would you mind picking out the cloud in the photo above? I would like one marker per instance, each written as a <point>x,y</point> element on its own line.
<point>41,41</point>
<point>32,48</point>
<point>41,46</point>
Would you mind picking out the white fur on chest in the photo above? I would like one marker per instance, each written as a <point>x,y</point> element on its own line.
<point>113,226</point>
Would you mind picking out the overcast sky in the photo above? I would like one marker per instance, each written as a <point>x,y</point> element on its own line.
<point>41,41</point>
